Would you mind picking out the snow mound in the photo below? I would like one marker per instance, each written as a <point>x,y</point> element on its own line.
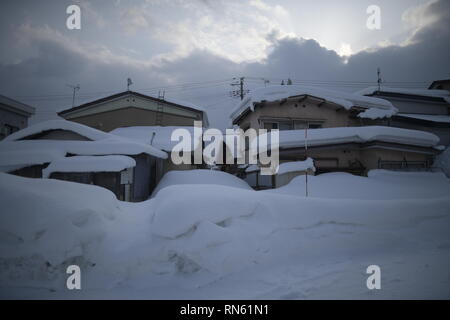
<point>200,176</point>
<point>379,185</point>
<point>54,219</point>
<point>294,166</point>
<point>214,241</point>
<point>212,203</point>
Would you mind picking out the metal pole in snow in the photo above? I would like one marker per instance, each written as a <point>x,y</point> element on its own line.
<point>306,155</point>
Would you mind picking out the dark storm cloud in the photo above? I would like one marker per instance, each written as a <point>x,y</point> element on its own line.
<point>56,63</point>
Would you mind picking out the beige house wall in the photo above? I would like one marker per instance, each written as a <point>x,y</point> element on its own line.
<point>344,157</point>
<point>370,157</point>
<point>127,117</point>
<point>330,115</point>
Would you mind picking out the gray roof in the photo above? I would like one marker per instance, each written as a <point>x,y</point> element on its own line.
<point>14,105</point>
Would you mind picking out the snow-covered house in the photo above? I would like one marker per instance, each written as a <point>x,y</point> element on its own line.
<point>420,109</point>
<point>292,107</point>
<point>358,149</point>
<point>339,138</point>
<point>14,116</point>
<point>70,151</point>
<point>131,108</point>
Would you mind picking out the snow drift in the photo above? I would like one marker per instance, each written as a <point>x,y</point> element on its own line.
<point>200,176</point>
<point>217,241</point>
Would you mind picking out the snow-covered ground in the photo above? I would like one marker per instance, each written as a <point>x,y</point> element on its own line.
<point>216,241</point>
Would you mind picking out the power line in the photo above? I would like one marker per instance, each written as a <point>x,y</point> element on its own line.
<point>222,82</point>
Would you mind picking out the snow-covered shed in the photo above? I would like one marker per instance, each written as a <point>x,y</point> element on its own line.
<point>70,151</point>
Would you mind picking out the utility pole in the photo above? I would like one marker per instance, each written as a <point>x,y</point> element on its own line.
<point>75,89</point>
<point>241,92</point>
<point>379,79</point>
<point>306,156</point>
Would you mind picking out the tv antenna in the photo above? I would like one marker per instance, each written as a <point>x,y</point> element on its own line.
<point>129,83</point>
<point>379,78</point>
<point>75,89</point>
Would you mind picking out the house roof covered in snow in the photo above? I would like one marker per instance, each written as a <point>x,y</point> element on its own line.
<point>436,118</point>
<point>85,131</point>
<point>437,95</point>
<point>331,136</point>
<point>21,149</point>
<point>11,160</point>
<point>114,163</point>
<point>157,136</point>
<point>437,84</point>
<point>17,106</point>
<point>167,101</point>
<point>376,107</point>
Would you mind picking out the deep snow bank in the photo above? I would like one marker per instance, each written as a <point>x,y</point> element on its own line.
<point>215,241</point>
<point>44,223</point>
<point>379,185</point>
<point>200,176</point>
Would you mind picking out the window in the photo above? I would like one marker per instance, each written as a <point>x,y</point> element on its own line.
<point>291,124</point>
<point>315,125</point>
<point>303,124</point>
<point>280,125</point>
<point>8,129</point>
<point>270,125</point>
<point>285,125</point>
<point>298,125</point>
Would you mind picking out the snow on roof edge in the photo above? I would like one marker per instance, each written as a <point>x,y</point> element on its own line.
<point>347,100</point>
<point>444,94</point>
<point>98,138</point>
<point>324,136</point>
<point>109,163</point>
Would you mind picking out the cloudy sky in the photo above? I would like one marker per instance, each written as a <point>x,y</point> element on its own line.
<point>193,48</point>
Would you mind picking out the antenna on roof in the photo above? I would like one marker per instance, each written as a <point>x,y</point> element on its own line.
<point>75,89</point>
<point>379,78</point>
<point>153,137</point>
<point>129,83</point>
